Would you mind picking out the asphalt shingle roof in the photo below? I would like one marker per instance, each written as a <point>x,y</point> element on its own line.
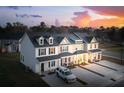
<point>57,38</point>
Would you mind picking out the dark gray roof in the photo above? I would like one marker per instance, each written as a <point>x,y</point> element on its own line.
<point>11,35</point>
<point>35,35</point>
<point>95,50</point>
<point>58,37</point>
<point>87,39</point>
<point>84,36</point>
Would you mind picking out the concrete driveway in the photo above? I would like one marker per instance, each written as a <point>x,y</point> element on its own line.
<point>92,79</point>
<point>54,81</point>
<point>112,65</point>
<point>107,72</point>
<point>101,74</point>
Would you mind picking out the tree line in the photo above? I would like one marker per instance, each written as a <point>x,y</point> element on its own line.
<point>108,34</point>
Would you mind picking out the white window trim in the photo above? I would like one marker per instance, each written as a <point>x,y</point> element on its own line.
<point>41,38</point>
<point>51,38</point>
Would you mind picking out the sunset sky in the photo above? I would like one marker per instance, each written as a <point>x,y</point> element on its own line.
<point>88,16</point>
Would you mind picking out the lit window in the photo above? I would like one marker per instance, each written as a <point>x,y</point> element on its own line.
<point>51,50</point>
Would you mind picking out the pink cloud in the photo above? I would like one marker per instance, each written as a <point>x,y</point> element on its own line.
<point>83,19</point>
<point>108,10</point>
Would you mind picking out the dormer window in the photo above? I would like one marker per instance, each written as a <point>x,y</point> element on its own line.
<point>41,41</point>
<point>50,40</point>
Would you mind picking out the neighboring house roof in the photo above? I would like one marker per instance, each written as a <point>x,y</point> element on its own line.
<point>95,50</point>
<point>46,58</point>
<point>11,36</point>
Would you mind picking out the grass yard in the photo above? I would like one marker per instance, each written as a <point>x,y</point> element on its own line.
<point>12,73</point>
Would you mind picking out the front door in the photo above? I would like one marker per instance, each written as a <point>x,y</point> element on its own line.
<point>42,67</point>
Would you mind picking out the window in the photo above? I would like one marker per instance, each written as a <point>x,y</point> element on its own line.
<point>42,52</point>
<point>51,50</point>
<point>90,46</point>
<point>65,59</point>
<point>51,41</point>
<point>41,41</point>
<point>78,41</point>
<point>94,45</point>
<point>69,59</point>
<point>52,63</point>
<point>64,49</point>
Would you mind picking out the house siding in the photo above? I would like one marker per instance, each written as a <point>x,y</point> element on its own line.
<point>27,50</point>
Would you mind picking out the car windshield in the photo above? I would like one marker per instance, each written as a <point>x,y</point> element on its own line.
<point>68,73</point>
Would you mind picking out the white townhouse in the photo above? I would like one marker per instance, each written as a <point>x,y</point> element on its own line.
<point>44,51</point>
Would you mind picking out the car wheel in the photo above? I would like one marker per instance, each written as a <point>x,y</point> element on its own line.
<point>66,80</point>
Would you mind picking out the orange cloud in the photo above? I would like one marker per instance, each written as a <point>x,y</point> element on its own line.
<point>83,19</point>
<point>107,22</point>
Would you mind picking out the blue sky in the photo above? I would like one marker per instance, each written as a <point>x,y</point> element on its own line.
<point>49,14</point>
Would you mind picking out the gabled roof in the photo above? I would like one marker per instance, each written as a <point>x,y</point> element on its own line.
<point>58,37</point>
<point>88,39</point>
<point>35,35</point>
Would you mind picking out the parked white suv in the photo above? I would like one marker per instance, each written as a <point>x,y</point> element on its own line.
<point>65,74</point>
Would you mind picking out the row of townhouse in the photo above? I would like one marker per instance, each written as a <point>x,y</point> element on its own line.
<point>44,51</point>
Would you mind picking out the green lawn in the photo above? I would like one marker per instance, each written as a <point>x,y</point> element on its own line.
<point>12,73</point>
